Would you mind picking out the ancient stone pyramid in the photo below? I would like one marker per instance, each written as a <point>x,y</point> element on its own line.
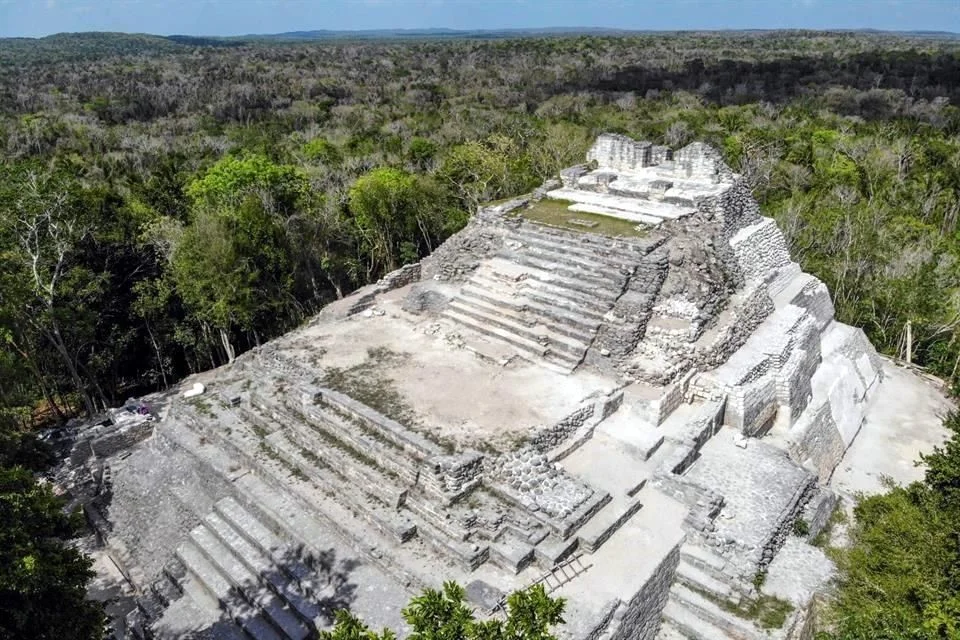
<point>620,385</point>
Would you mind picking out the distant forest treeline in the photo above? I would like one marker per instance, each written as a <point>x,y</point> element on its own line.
<point>165,204</point>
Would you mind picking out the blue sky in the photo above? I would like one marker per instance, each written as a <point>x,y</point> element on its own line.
<point>233,17</point>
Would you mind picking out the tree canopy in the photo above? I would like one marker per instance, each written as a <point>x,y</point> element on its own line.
<point>900,575</point>
<point>444,614</point>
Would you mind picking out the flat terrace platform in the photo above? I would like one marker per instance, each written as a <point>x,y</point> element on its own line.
<point>437,378</point>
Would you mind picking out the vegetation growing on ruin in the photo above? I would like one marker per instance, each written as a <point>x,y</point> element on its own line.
<point>368,382</point>
<point>556,214</point>
<point>900,576</point>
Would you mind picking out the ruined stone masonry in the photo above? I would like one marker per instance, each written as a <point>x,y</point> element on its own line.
<point>664,401</point>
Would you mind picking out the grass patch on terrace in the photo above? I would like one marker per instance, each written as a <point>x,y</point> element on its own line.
<point>369,384</point>
<point>837,518</point>
<point>556,214</point>
<point>768,612</point>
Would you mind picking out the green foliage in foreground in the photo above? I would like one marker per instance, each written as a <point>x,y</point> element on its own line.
<point>900,578</point>
<point>445,615</point>
<point>42,581</point>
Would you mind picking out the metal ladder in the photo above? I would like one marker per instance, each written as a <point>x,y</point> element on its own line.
<point>562,573</point>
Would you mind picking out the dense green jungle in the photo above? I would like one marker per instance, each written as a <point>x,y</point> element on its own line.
<point>166,204</point>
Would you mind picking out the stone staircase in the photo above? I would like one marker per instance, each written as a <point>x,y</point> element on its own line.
<point>265,585</point>
<point>696,606</point>
<point>545,294</point>
<point>391,480</point>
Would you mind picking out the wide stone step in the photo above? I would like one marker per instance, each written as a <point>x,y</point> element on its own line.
<point>527,318</point>
<point>669,632</point>
<point>289,506</point>
<point>536,333</point>
<point>591,260</point>
<point>218,587</point>
<point>269,569</point>
<point>703,559</point>
<point>626,207</point>
<point>605,523</point>
<point>345,460</point>
<point>386,520</point>
<point>691,625</point>
<point>588,280</point>
<point>558,317</point>
<point>700,580</point>
<point>546,295</point>
<point>355,437</point>
<point>503,268</point>
<point>620,250</point>
<point>247,583</point>
<point>595,267</point>
<point>269,543</point>
<point>292,513</point>
<point>377,499</point>
<point>529,349</point>
<point>454,551</point>
<point>195,611</point>
<point>709,611</point>
<point>639,218</point>
<point>560,297</point>
<point>512,556</point>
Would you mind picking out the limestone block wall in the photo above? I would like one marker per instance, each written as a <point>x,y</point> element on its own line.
<point>620,152</point>
<point>401,277</point>
<point>121,438</point>
<point>723,216</point>
<point>623,326</point>
<point>413,443</point>
<point>818,511</point>
<point>815,298</point>
<point>752,407</point>
<point>815,441</point>
<point>700,160</point>
<point>660,154</point>
<point>552,436</point>
<point>453,475</point>
<point>793,381</point>
<point>640,618</point>
<point>571,175</point>
<point>696,433</point>
<point>462,253</point>
<point>785,524</point>
<point>761,250</point>
<point>749,309</point>
<point>657,410</point>
<point>607,405</point>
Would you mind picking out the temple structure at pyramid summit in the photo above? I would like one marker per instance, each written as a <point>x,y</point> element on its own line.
<point>620,386</point>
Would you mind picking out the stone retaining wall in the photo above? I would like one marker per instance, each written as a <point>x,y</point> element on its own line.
<point>818,445</point>
<point>639,619</point>
<point>761,250</point>
<point>120,439</point>
<point>401,277</point>
<point>615,151</point>
<point>550,437</point>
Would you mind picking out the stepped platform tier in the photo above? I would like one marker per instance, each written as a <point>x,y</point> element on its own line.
<point>623,371</point>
